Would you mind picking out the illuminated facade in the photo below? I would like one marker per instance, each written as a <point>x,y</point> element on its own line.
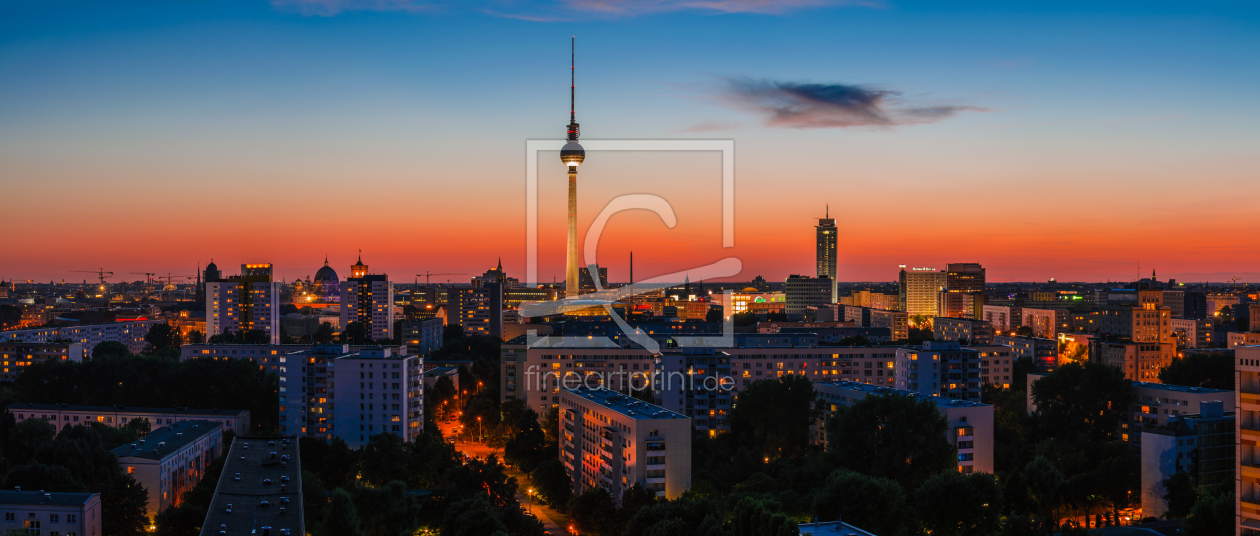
<point>940,368</point>
<point>171,460</point>
<point>369,300</point>
<point>612,441</point>
<point>479,310</point>
<point>964,290</point>
<point>801,292</point>
<point>250,301</point>
<point>919,289</point>
<point>19,355</point>
<point>825,237</point>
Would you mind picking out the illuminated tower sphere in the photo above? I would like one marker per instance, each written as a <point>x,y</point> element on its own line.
<point>572,155</point>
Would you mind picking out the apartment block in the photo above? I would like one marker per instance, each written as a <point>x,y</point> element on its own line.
<point>1191,333</point>
<point>423,336</point>
<point>19,355</point>
<point>970,422</point>
<point>479,310</point>
<point>999,317</point>
<point>171,460</point>
<point>1043,352</point>
<point>60,513</point>
<point>995,365</point>
<point>65,415</point>
<point>940,368</point>
<point>130,334</point>
<point>959,329</point>
<point>1247,437</point>
<point>613,441</point>
<point>1044,322</point>
<point>369,300</point>
<point>1234,339</point>
<point>244,303</point>
<point>377,392</point>
<point>802,292</point>
<point>1201,445</point>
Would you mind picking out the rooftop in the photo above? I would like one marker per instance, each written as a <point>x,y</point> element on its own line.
<point>877,390</point>
<point>48,498</point>
<point>1178,388</point>
<point>168,439</point>
<point>216,413</point>
<point>625,405</point>
<point>260,491</point>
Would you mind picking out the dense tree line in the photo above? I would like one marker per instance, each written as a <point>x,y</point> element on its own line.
<point>115,377</point>
<point>76,459</point>
<point>1213,370</point>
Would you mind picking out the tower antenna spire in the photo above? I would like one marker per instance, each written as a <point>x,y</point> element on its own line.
<point>572,79</point>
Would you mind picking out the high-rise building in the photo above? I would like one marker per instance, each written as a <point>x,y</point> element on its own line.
<point>479,310</point>
<point>243,303</point>
<point>369,300</point>
<point>825,236</point>
<point>964,290</point>
<point>613,441</point>
<point>1201,445</point>
<point>1194,305</point>
<point>920,289</point>
<point>587,285</point>
<point>1246,430</point>
<point>803,292</point>
<point>377,392</point>
<point>572,154</point>
<point>422,336</point>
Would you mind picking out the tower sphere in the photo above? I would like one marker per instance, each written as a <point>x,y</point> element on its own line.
<point>572,154</point>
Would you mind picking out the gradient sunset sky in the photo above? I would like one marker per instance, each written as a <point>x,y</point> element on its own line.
<point>1084,141</point>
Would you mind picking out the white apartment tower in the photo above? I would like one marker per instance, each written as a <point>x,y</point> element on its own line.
<point>250,301</point>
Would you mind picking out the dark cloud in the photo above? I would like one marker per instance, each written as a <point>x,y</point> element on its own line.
<point>809,105</point>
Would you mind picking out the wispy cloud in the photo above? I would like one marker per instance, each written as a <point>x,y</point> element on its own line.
<point>811,105</point>
<point>711,126</point>
<point>564,10</point>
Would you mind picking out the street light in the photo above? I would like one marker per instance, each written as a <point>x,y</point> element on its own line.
<point>480,435</point>
<point>530,492</point>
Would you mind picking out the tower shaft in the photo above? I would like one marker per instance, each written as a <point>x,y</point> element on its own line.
<point>572,279</point>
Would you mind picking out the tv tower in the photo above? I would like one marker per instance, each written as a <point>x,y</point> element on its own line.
<point>572,155</point>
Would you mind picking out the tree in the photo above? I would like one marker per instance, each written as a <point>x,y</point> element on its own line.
<point>355,333</point>
<point>891,436</point>
<point>1024,331</point>
<point>1213,514</point>
<point>162,337</point>
<point>124,502</point>
<point>1044,484</point>
<point>323,334</point>
<point>551,426</point>
<point>714,314</point>
<point>343,518</point>
<point>110,348</point>
<point>140,426</point>
<point>36,475</point>
<point>196,337</point>
<point>1181,495</point>
<point>958,504</point>
<point>256,336</point>
<point>386,510</point>
<point>227,337</point>
<point>772,417</point>
<point>332,461</point>
<point>756,518</point>
<point>384,459</point>
<point>633,500</point>
<point>182,520</point>
<point>552,483</point>
<point>1214,371</point>
<point>428,458</point>
<point>1089,397</point>
<point>26,437</point>
<point>528,447</point>
<point>483,477</point>
<point>874,503</point>
<point>594,512</point>
<point>685,516</point>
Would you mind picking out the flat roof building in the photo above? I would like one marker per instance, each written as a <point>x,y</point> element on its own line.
<point>260,490</point>
<point>39,512</point>
<point>65,415</point>
<point>171,460</point>
<point>613,441</point>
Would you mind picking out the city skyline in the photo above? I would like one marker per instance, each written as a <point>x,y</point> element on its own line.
<point>233,118</point>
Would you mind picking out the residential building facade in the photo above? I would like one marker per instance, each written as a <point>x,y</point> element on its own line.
<point>60,513</point>
<point>171,460</point>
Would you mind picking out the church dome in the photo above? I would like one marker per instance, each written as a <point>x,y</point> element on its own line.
<point>326,273</point>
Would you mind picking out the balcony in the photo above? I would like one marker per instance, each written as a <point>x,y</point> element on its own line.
<point>1249,398</point>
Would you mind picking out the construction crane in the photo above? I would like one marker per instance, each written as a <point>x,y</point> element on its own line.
<point>148,280</point>
<point>426,275</point>
<point>102,274</point>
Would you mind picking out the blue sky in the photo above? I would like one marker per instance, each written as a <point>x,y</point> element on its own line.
<point>158,105</point>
